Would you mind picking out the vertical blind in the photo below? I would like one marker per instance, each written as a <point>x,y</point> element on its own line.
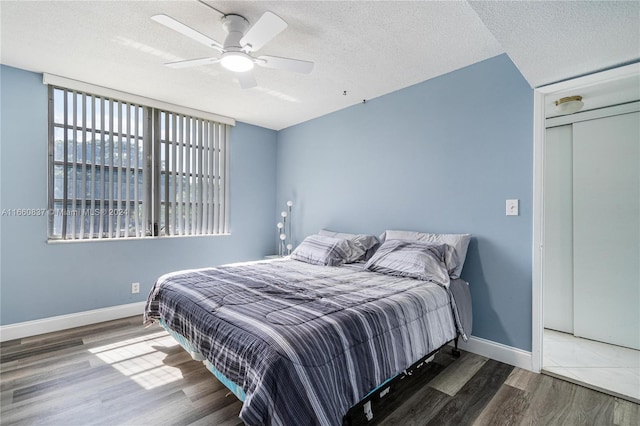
<point>120,170</point>
<point>191,162</point>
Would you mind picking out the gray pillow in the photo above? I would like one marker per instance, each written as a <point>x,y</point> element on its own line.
<point>322,250</point>
<point>459,243</point>
<point>414,259</point>
<point>362,245</point>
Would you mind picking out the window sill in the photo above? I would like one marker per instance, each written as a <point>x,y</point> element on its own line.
<point>100,240</point>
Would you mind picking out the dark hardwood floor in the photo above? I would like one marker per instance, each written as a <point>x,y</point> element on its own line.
<point>119,373</point>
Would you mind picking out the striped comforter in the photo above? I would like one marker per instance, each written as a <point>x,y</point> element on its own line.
<point>305,342</point>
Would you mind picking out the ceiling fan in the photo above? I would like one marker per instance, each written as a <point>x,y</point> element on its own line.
<point>238,45</point>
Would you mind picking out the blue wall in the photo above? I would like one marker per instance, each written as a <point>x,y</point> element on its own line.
<point>440,156</point>
<point>39,280</point>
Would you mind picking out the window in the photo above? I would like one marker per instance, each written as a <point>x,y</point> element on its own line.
<point>192,189</point>
<point>119,169</point>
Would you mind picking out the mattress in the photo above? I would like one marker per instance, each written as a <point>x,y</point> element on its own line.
<point>304,343</point>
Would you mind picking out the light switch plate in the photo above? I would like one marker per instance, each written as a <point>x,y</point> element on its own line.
<point>512,207</point>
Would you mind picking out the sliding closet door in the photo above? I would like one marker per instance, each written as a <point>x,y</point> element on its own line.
<point>606,210</point>
<point>558,229</point>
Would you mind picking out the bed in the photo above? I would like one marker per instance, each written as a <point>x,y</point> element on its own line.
<point>302,343</point>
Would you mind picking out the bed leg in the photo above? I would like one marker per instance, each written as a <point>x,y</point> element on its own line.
<point>368,412</point>
<point>455,352</point>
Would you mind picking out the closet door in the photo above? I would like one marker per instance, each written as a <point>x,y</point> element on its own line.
<point>558,229</point>
<point>606,229</point>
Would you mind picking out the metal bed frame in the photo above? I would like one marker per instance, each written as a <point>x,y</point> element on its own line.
<point>362,412</point>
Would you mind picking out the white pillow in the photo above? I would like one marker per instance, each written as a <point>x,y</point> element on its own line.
<point>459,242</point>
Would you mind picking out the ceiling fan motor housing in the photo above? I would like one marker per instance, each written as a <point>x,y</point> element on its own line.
<point>235,26</point>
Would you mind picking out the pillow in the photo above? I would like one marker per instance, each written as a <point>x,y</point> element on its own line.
<point>363,246</point>
<point>413,259</point>
<point>459,242</point>
<point>322,250</point>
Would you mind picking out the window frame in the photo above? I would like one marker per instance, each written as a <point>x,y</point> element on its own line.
<point>149,170</point>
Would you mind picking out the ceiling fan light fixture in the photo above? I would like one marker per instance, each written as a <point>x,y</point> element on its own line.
<point>569,105</point>
<point>237,61</point>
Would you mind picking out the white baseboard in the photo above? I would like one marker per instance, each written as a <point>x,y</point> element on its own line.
<point>63,322</point>
<point>498,351</point>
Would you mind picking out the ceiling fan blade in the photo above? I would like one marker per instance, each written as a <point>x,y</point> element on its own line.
<point>266,28</point>
<point>295,65</point>
<point>246,79</point>
<point>183,29</point>
<point>204,3</point>
<point>192,62</point>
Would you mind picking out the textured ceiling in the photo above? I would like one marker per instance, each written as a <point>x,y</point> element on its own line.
<point>550,41</point>
<point>364,48</point>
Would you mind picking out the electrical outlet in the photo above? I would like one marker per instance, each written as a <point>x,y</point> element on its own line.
<point>135,288</point>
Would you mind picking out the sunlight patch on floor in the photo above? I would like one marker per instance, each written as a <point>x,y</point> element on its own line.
<point>142,359</point>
